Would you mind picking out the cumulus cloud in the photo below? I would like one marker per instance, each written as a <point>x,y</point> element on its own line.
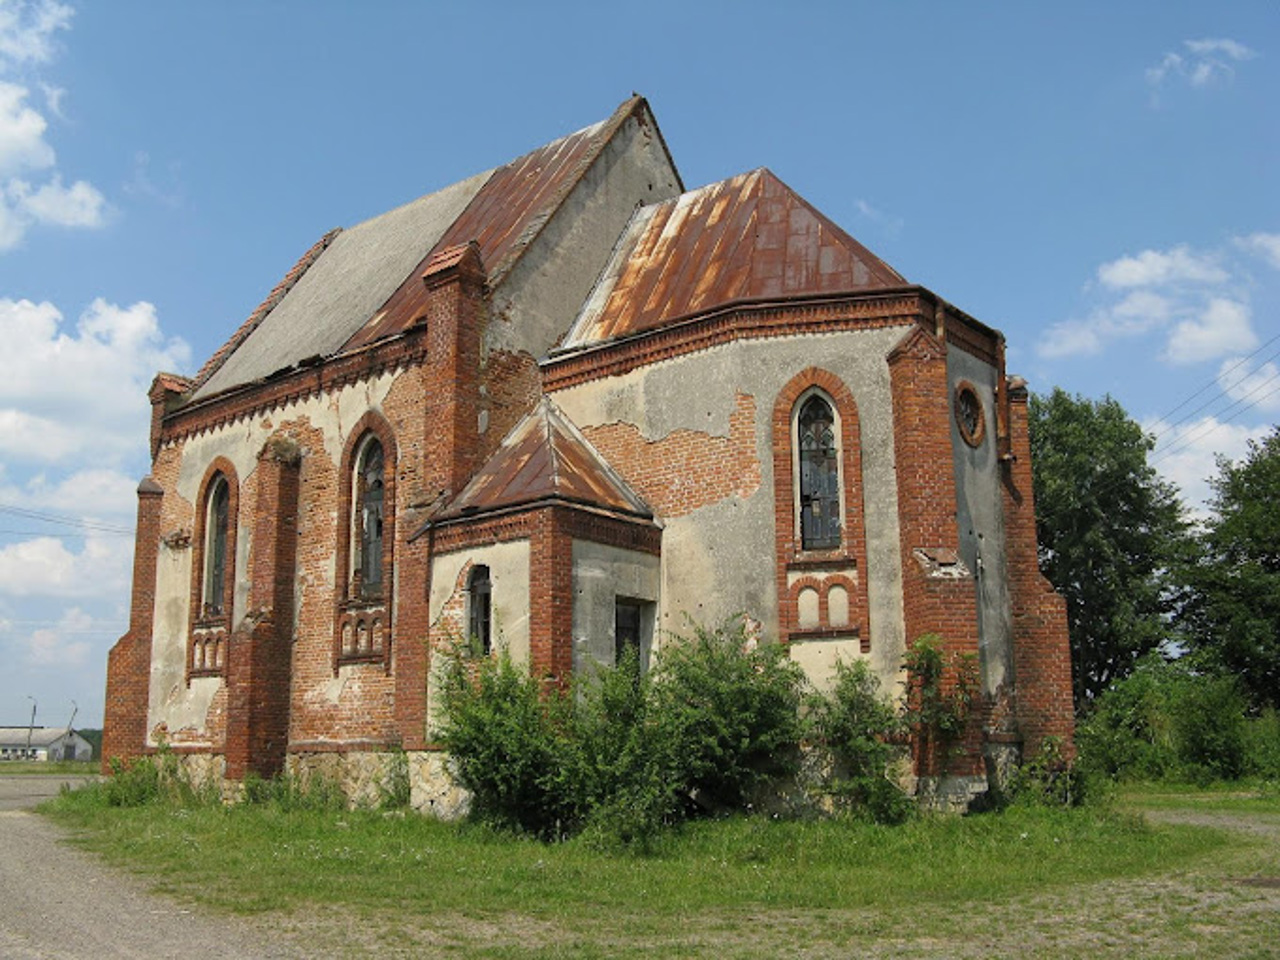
<point>1223,327</point>
<point>45,567</point>
<point>1153,267</point>
<point>59,646</point>
<point>1196,300</point>
<point>80,394</point>
<point>1251,385</point>
<point>1265,245</point>
<point>1186,453</point>
<point>27,30</point>
<point>26,37</point>
<point>1204,63</point>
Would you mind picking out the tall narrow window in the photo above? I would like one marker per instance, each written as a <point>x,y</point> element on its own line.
<point>819,476</point>
<point>369,511</point>
<point>480,612</point>
<point>215,551</point>
<point>626,632</point>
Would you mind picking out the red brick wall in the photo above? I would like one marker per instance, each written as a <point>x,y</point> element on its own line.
<point>258,669</point>
<point>1041,647</point>
<point>687,469</point>
<point>925,466</point>
<point>124,728</point>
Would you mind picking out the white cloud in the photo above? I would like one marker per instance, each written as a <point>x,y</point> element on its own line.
<point>22,130</point>
<point>1251,386</point>
<point>1152,268</point>
<point>1223,327</point>
<point>55,646</point>
<point>45,567</point>
<point>1135,313</point>
<point>1265,245</point>
<point>27,30</point>
<point>79,205</point>
<point>79,395</point>
<point>1187,453</point>
<point>1207,62</point>
<point>26,36</point>
<point>1197,300</point>
<point>892,225</point>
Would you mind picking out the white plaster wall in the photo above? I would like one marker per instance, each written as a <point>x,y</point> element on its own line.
<point>719,560</point>
<point>508,565</point>
<point>602,574</point>
<point>171,700</point>
<point>536,303</point>
<point>818,659</point>
<point>980,519</point>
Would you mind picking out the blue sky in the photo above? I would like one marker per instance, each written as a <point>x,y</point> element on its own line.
<point>1097,180</point>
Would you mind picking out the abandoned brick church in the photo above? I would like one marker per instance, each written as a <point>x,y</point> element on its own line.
<point>560,406</point>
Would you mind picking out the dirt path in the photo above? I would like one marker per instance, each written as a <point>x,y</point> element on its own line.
<point>58,903</point>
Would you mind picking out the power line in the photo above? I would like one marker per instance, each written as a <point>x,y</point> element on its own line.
<point>66,520</point>
<point>1216,380</point>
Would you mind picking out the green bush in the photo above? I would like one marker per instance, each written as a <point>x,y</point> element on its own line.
<point>1048,779</point>
<point>624,753</point>
<point>513,745</point>
<point>731,710</point>
<point>940,692</point>
<point>1262,745</point>
<point>1168,720</point>
<point>860,730</point>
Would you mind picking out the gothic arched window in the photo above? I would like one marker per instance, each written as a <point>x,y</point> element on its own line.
<point>819,465</point>
<point>217,521</point>
<point>370,488</point>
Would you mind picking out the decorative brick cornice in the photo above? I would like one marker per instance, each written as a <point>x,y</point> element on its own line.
<point>741,321</point>
<point>298,384</point>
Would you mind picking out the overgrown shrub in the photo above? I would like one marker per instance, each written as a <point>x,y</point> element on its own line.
<point>512,743</point>
<point>624,752</point>
<point>730,708</point>
<point>1262,745</point>
<point>1048,779</point>
<point>940,691</point>
<point>1166,720</point>
<point>158,778</point>
<point>289,792</point>
<point>861,731</point>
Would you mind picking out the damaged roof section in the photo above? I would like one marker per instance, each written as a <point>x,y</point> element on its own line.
<point>545,458</point>
<point>364,284</point>
<point>750,237</point>
<point>350,280</point>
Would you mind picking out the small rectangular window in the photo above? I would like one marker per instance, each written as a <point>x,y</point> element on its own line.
<point>632,631</point>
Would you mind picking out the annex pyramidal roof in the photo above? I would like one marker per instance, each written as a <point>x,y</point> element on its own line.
<point>746,238</point>
<point>545,458</point>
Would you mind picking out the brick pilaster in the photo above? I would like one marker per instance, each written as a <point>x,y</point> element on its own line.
<point>925,464</point>
<point>124,728</point>
<point>551,596</point>
<point>1041,646</point>
<point>258,667</point>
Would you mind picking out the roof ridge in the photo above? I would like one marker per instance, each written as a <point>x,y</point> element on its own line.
<point>277,294</point>
<point>599,140</point>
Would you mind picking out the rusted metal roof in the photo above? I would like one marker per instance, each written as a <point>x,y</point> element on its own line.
<point>749,237</point>
<point>504,217</point>
<point>545,458</point>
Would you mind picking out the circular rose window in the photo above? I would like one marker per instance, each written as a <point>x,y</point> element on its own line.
<point>969,415</point>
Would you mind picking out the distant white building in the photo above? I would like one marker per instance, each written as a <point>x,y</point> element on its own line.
<point>43,743</point>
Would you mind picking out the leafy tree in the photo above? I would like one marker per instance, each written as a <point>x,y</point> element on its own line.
<point>1111,534</point>
<point>1234,613</point>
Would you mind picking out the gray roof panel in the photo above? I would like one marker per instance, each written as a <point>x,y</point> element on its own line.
<point>361,268</point>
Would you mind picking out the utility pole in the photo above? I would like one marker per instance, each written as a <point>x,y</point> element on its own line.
<point>67,742</point>
<point>32,725</point>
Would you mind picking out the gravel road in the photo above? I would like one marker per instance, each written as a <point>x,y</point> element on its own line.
<point>57,903</point>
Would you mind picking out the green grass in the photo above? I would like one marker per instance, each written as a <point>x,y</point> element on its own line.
<point>249,859</point>
<point>84,768</point>
<point>1251,797</point>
